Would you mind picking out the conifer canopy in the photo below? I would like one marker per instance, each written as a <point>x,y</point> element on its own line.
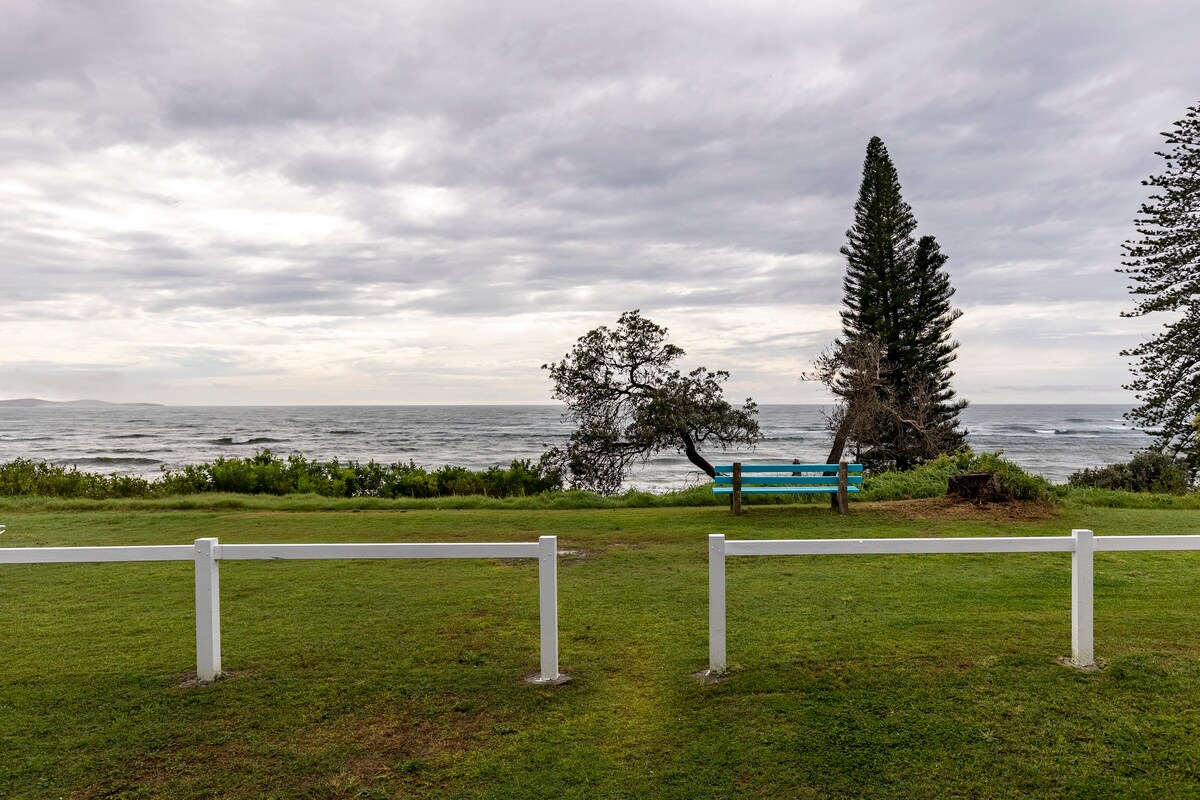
<point>897,301</point>
<point>1164,265</point>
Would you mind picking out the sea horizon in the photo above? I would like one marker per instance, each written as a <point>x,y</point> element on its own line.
<point>1049,439</point>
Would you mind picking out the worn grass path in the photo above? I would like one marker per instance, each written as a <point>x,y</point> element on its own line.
<point>867,676</point>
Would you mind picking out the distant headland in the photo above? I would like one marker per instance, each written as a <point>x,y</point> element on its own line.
<point>33,402</point>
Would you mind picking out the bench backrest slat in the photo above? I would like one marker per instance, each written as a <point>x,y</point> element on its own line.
<point>786,480</point>
<point>728,468</point>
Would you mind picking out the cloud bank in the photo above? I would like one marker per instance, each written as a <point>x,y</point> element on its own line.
<point>370,202</point>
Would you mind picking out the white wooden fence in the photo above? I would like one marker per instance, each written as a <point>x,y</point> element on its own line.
<point>1081,544</point>
<point>208,553</point>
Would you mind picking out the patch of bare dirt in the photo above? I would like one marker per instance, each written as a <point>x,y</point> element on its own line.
<point>565,554</point>
<point>574,554</point>
<point>404,740</point>
<point>948,508</point>
<point>191,680</point>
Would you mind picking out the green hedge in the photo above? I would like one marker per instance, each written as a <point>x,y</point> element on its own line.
<point>267,473</point>
<point>1148,471</point>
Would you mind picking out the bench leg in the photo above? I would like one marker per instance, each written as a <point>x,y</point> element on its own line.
<point>843,490</point>
<point>735,498</point>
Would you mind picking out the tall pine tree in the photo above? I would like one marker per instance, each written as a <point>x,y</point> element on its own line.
<point>1165,267</point>
<point>897,302</point>
<point>926,341</point>
<point>879,253</point>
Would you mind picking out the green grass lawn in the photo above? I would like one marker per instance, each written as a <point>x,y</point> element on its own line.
<point>851,676</point>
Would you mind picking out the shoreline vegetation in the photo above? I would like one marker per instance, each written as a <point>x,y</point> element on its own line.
<point>275,481</point>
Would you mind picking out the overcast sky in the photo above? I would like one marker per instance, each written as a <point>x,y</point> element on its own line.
<point>423,202</point>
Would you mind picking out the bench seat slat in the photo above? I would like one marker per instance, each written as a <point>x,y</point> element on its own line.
<point>728,468</point>
<point>784,480</point>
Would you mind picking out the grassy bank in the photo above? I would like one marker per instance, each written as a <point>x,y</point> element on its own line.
<point>887,676</point>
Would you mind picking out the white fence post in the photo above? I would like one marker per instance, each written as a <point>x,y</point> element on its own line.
<point>208,612</point>
<point>548,606</point>
<point>716,603</point>
<point>1082,599</point>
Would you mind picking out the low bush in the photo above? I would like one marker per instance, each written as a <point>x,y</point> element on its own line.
<point>1009,482</point>
<point>25,477</point>
<point>267,473</point>
<point>1148,471</point>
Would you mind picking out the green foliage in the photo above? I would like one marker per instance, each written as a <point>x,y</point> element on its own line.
<point>27,477</point>
<point>1164,266</point>
<point>1009,481</point>
<point>926,480</point>
<point>628,402</point>
<point>302,484</point>
<point>267,473</point>
<point>897,300</point>
<point>1148,471</point>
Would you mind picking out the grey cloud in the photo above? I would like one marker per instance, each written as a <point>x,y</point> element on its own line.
<point>46,41</point>
<point>650,151</point>
<point>75,381</point>
<point>1054,388</point>
<point>326,169</point>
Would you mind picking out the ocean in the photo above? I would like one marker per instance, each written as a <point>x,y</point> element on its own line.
<point>1050,440</point>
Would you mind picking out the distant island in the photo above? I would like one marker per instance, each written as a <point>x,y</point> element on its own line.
<point>33,402</point>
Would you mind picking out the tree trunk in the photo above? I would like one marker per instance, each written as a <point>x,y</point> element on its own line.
<point>689,448</point>
<point>839,443</point>
<point>835,452</point>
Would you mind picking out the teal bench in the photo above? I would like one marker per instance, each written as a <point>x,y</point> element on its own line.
<point>739,479</point>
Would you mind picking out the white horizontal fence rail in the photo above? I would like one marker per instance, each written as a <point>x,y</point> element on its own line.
<point>1081,544</point>
<point>94,555</point>
<point>1127,543</point>
<point>209,552</point>
<point>273,552</point>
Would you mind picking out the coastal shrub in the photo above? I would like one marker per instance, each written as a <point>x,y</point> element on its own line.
<point>1148,471</point>
<point>1009,481</point>
<point>25,477</point>
<point>926,480</point>
<point>524,477</point>
<point>268,473</point>
<point>458,481</point>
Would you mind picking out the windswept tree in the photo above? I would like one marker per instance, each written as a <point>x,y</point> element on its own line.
<point>1164,265</point>
<point>869,417</point>
<point>896,326</point>
<point>628,401</point>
